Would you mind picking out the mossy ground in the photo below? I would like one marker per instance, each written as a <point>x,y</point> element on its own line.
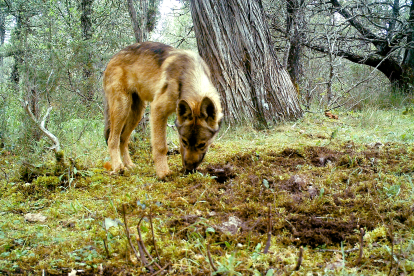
<point>323,180</point>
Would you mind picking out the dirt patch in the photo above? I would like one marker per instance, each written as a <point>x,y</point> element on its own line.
<point>220,173</point>
<point>314,231</point>
<point>323,206</point>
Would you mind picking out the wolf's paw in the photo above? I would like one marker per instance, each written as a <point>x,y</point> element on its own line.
<point>163,174</point>
<point>118,170</point>
<point>130,166</point>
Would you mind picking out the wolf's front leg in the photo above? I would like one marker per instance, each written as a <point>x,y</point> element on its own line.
<point>159,141</point>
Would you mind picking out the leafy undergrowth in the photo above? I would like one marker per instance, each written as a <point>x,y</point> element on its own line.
<point>314,184</point>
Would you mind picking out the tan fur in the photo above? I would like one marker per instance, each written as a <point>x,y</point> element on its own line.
<point>171,80</point>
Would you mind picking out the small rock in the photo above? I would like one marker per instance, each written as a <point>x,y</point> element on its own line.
<point>231,226</point>
<point>34,217</point>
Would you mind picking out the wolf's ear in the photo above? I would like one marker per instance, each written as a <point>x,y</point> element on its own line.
<point>208,110</point>
<point>184,112</point>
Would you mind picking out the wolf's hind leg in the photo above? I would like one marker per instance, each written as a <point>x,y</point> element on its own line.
<point>134,117</point>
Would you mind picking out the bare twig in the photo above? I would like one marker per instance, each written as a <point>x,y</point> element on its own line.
<point>5,175</point>
<point>127,231</point>
<point>298,264</point>
<point>334,250</point>
<point>161,270</point>
<point>390,237</point>
<point>269,229</point>
<point>218,139</point>
<point>41,125</point>
<point>106,249</point>
<point>392,255</point>
<point>210,260</point>
<point>183,39</point>
<point>141,244</point>
<point>153,237</point>
<point>361,244</point>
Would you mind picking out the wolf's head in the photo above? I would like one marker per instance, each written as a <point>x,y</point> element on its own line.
<point>197,128</point>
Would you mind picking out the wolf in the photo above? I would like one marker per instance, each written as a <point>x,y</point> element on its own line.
<point>172,80</point>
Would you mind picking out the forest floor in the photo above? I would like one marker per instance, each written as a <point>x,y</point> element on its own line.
<point>315,188</point>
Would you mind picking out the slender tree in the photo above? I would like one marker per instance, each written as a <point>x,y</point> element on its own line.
<point>86,27</point>
<point>295,26</point>
<point>233,39</point>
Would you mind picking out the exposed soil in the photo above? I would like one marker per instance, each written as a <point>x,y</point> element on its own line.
<point>314,212</point>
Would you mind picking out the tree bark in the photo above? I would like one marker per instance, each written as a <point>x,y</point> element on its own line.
<point>234,40</point>
<point>86,26</point>
<point>139,25</point>
<point>294,27</point>
<point>408,61</point>
<point>2,31</point>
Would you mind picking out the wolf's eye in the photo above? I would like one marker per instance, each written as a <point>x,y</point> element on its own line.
<point>184,142</point>
<point>200,146</point>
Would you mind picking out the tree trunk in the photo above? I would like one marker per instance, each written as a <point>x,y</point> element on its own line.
<point>234,40</point>
<point>294,26</point>
<point>18,54</point>
<point>2,32</point>
<point>408,61</point>
<point>139,24</point>
<point>86,26</point>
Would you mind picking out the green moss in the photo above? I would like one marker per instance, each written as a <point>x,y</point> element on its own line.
<point>334,200</point>
<point>47,181</point>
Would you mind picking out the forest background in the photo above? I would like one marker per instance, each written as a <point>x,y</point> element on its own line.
<point>349,140</point>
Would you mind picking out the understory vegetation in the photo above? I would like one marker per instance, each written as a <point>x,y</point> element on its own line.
<point>329,194</point>
<point>318,185</point>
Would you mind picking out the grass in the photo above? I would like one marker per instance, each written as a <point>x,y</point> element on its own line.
<point>324,180</point>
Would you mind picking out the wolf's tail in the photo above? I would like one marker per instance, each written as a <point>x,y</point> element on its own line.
<point>107,122</point>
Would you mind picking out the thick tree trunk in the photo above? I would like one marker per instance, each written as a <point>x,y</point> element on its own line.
<point>233,39</point>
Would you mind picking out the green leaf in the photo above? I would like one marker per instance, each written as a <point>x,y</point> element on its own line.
<point>266,183</point>
<point>270,272</point>
<point>210,230</point>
